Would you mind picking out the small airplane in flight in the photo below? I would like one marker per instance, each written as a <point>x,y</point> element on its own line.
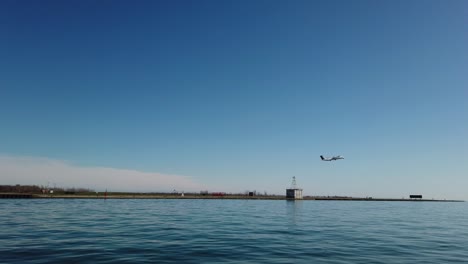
<point>332,158</point>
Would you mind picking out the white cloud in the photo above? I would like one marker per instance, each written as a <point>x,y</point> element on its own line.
<point>40,171</point>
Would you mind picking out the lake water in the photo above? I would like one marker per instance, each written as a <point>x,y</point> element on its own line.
<point>231,231</point>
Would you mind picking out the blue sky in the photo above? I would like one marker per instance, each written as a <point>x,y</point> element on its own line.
<point>239,95</point>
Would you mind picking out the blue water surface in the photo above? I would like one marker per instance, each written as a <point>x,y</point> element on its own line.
<point>231,231</point>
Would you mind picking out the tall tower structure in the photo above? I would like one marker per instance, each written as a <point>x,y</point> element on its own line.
<point>293,184</point>
<point>294,192</point>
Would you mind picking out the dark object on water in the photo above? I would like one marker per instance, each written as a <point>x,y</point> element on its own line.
<point>415,196</point>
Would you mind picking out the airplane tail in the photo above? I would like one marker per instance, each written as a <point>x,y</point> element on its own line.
<point>321,157</point>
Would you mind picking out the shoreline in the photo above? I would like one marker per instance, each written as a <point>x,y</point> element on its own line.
<point>102,196</point>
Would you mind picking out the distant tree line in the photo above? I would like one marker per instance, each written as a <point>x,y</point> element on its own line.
<point>39,189</point>
<point>20,189</point>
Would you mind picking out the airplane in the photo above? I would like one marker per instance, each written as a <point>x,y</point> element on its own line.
<point>332,158</point>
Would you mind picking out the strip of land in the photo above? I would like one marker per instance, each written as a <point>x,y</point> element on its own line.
<point>196,196</point>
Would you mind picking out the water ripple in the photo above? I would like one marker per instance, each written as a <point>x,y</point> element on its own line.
<point>231,231</point>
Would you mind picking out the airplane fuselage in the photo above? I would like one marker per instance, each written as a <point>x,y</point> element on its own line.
<point>331,158</point>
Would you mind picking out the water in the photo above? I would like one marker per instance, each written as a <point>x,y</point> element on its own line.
<point>232,231</point>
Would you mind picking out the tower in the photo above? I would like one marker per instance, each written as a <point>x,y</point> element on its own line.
<point>294,192</point>
<point>293,184</point>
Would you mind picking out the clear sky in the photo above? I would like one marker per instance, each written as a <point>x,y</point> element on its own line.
<point>236,95</point>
